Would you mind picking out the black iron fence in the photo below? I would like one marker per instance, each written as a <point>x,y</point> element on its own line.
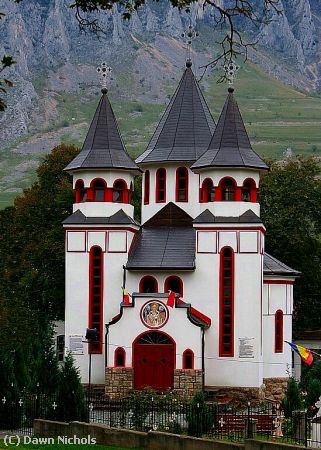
<point>17,413</point>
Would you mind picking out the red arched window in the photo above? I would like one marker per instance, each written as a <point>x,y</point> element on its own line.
<point>161,186</point>
<point>228,189</point>
<point>146,187</point>
<point>207,191</point>
<point>148,284</point>
<point>174,284</point>
<point>182,184</point>
<point>226,328</point>
<point>96,296</point>
<point>278,342</point>
<point>120,192</point>
<point>97,190</point>
<point>188,359</point>
<point>120,357</point>
<point>81,193</point>
<point>249,191</point>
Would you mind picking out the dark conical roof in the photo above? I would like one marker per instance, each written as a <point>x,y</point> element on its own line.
<point>186,128</point>
<point>103,147</point>
<point>230,145</point>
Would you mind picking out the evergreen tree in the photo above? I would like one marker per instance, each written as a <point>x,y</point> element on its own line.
<point>293,399</point>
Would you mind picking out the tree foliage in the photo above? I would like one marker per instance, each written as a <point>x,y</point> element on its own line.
<point>290,210</point>
<point>32,273</point>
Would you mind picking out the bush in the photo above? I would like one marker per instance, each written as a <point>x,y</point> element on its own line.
<point>198,418</point>
<point>293,398</point>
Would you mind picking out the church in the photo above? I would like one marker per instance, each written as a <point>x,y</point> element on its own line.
<point>188,299</point>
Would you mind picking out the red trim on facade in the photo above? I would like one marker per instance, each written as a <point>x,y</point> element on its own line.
<point>93,190</point>
<point>185,361</point>
<point>119,352</point>
<point>226,320</point>
<point>146,187</point>
<point>181,184</point>
<point>96,289</point>
<point>148,278</point>
<point>174,278</point>
<point>196,313</point>
<point>80,191</point>
<point>161,185</point>
<point>216,228</point>
<point>226,190</point>
<point>278,282</point>
<point>121,190</point>
<point>249,190</point>
<point>278,340</point>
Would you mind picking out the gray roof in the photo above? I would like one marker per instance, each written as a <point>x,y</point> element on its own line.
<point>164,249</point>
<point>103,147</point>
<point>119,218</point>
<point>186,128</point>
<point>230,145</point>
<point>207,217</point>
<point>272,266</point>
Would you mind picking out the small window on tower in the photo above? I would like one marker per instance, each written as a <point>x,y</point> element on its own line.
<point>174,284</point>
<point>60,347</point>
<point>188,359</point>
<point>99,190</point>
<point>119,190</point>
<point>249,191</point>
<point>207,191</point>
<point>161,185</point>
<point>182,184</point>
<point>228,190</point>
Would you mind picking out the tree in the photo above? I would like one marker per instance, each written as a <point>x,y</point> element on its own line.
<point>227,18</point>
<point>290,210</point>
<point>293,399</point>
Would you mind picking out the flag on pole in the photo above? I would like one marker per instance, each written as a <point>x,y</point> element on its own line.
<point>125,297</point>
<point>171,299</point>
<point>304,353</point>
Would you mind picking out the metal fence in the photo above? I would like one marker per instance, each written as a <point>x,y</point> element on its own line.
<point>161,413</point>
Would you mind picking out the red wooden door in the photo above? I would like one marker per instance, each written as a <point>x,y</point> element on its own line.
<point>154,366</point>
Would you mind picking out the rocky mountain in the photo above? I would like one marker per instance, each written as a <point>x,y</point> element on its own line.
<point>56,64</point>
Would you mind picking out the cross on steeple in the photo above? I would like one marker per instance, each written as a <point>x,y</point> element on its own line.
<point>190,34</point>
<point>230,69</point>
<point>104,72</point>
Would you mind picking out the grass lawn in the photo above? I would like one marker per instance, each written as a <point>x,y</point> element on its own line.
<point>58,446</point>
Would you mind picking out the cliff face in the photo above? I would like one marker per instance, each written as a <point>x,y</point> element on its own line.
<point>55,59</point>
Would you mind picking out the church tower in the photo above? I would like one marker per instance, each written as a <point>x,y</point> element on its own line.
<point>98,236</point>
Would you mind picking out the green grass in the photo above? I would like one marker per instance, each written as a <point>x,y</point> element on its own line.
<point>276,116</point>
<point>58,446</point>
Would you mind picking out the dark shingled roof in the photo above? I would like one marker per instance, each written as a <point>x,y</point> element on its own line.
<point>164,248</point>
<point>207,217</point>
<point>186,128</point>
<point>119,218</point>
<point>272,266</point>
<point>103,147</point>
<point>230,145</point>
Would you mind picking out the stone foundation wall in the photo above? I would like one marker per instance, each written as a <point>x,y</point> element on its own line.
<point>275,388</point>
<point>187,382</point>
<point>118,381</point>
<point>239,396</point>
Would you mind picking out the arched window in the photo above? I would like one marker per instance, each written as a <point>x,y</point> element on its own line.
<point>98,188</point>
<point>249,191</point>
<point>226,328</point>
<point>182,184</point>
<point>228,189</point>
<point>161,186</point>
<point>120,357</point>
<point>120,192</point>
<point>207,191</point>
<point>188,359</point>
<point>278,344</point>
<point>148,284</point>
<point>96,296</point>
<point>81,193</point>
<point>146,187</point>
<point>174,284</point>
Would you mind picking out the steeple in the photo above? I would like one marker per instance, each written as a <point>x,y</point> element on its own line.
<point>103,147</point>
<point>230,145</point>
<point>186,128</point>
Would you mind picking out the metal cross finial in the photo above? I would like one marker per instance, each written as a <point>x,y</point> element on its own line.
<point>20,402</point>
<point>104,72</point>
<point>54,405</point>
<point>230,69</point>
<point>189,35</point>
<point>4,400</point>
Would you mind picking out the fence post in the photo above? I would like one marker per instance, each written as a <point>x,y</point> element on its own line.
<point>38,402</point>
<point>306,429</point>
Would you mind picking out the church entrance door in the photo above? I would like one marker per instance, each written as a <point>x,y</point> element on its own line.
<point>154,361</point>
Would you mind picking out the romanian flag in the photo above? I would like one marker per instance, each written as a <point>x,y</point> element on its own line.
<point>304,353</point>
<point>171,299</point>
<point>126,297</point>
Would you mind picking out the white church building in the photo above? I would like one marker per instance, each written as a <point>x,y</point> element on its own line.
<point>200,236</point>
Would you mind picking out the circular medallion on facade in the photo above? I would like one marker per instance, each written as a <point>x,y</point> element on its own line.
<point>154,314</point>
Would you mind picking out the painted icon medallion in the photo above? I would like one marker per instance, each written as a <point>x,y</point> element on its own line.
<point>154,314</point>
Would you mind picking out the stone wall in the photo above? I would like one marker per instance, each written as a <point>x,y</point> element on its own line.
<point>187,382</point>
<point>275,388</point>
<point>118,381</point>
<point>239,396</point>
